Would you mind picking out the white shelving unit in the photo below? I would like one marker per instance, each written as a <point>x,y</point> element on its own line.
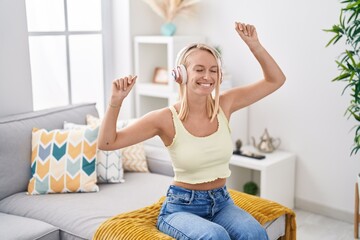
<point>152,52</point>
<point>275,175</point>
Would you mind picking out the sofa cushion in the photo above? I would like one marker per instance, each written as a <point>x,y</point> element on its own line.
<point>109,167</point>
<point>158,159</point>
<point>133,157</point>
<point>80,214</point>
<point>16,131</point>
<point>21,228</point>
<point>63,161</point>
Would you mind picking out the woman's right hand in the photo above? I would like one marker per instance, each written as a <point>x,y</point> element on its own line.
<point>120,89</point>
<point>248,34</point>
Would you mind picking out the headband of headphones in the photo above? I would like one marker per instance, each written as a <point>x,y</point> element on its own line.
<point>179,73</point>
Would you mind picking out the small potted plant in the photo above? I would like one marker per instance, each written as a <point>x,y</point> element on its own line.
<point>251,188</point>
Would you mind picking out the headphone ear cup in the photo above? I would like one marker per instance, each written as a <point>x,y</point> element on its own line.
<point>179,74</point>
<point>183,73</point>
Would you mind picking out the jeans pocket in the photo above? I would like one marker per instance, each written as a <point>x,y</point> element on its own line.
<point>179,198</point>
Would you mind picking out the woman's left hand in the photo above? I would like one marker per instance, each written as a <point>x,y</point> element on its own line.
<point>247,33</point>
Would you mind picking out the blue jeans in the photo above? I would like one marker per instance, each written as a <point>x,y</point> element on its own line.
<point>194,215</point>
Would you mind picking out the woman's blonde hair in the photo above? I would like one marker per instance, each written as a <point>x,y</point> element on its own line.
<point>212,104</point>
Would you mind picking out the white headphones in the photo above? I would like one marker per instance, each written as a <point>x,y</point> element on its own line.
<point>179,73</point>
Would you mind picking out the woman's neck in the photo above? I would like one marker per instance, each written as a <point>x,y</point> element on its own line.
<point>197,105</point>
<point>198,110</point>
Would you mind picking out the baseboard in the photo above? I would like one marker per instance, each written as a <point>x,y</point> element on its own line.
<point>324,210</point>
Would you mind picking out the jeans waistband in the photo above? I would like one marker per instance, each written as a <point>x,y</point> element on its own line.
<point>198,193</point>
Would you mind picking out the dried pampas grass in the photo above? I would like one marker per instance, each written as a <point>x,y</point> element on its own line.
<point>169,9</point>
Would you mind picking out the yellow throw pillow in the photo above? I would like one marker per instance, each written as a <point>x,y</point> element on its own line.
<point>133,157</point>
<point>63,161</point>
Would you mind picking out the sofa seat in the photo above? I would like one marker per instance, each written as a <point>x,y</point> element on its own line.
<point>21,228</point>
<point>78,215</point>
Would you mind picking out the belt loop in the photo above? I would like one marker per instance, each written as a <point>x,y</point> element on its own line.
<point>192,196</point>
<point>224,190</point>
<point>211,194</point>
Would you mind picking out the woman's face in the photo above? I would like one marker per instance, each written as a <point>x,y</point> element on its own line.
<point>203,72</point>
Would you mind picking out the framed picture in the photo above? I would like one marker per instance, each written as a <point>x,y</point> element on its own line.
<point>160,75</point>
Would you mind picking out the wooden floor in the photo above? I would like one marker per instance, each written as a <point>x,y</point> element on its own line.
<point>316,227</point>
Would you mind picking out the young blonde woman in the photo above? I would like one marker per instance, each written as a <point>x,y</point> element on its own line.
<point>195,130</point>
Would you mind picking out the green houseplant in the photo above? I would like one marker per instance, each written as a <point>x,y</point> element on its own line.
<point>348,62</point>
<point>348,65</point>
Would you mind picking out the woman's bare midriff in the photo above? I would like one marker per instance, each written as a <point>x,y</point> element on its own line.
<point>218,183</point>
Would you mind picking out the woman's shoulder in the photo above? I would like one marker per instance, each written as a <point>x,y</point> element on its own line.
<point>166,111</point>
<point>162,120</point>
<point>224,104</point>
<point>160,116</point>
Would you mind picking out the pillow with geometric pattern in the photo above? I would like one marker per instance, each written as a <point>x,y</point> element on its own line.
<point>109,167</point>
<point>63,161</point>
<point>133,157</point>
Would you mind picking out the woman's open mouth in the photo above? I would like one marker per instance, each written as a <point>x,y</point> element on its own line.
<point>206,85</point>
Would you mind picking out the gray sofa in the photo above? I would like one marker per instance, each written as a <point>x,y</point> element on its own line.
<point>72,215</point>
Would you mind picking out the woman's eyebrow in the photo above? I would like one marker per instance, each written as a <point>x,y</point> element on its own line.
<point>199,65</point>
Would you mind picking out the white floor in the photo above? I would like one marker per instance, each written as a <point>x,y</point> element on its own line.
<point>316,227</point>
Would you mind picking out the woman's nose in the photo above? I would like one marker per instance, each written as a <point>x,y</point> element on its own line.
<point>206,75</point>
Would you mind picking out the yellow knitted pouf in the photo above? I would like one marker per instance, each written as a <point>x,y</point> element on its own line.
<point>141,224</point>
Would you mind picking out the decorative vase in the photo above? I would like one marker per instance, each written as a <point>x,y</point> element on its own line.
<point>168,29</point>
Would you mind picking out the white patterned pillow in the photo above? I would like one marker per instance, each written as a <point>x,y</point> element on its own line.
<point>133,157</point>
<point>109,166</point>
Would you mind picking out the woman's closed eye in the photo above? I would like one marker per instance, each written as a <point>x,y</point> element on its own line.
<point>199,70</point>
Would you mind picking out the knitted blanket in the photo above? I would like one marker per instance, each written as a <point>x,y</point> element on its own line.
<point>141,224</point>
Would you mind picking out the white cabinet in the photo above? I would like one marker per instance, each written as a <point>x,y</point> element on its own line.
<point>152,52</point>
<point>275,175</point>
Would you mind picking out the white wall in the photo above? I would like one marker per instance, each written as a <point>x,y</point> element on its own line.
<point>307,112</point>
<point>127,22</point>
<point>122,54</point>
<point>15,79</point>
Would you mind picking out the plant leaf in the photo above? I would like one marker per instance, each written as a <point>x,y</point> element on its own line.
<point>331,40</point>
<point>356,4</point>
<point>342,65</point>
<point>357,117</point>
<point>337,39</point>
<point>341,77</point>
